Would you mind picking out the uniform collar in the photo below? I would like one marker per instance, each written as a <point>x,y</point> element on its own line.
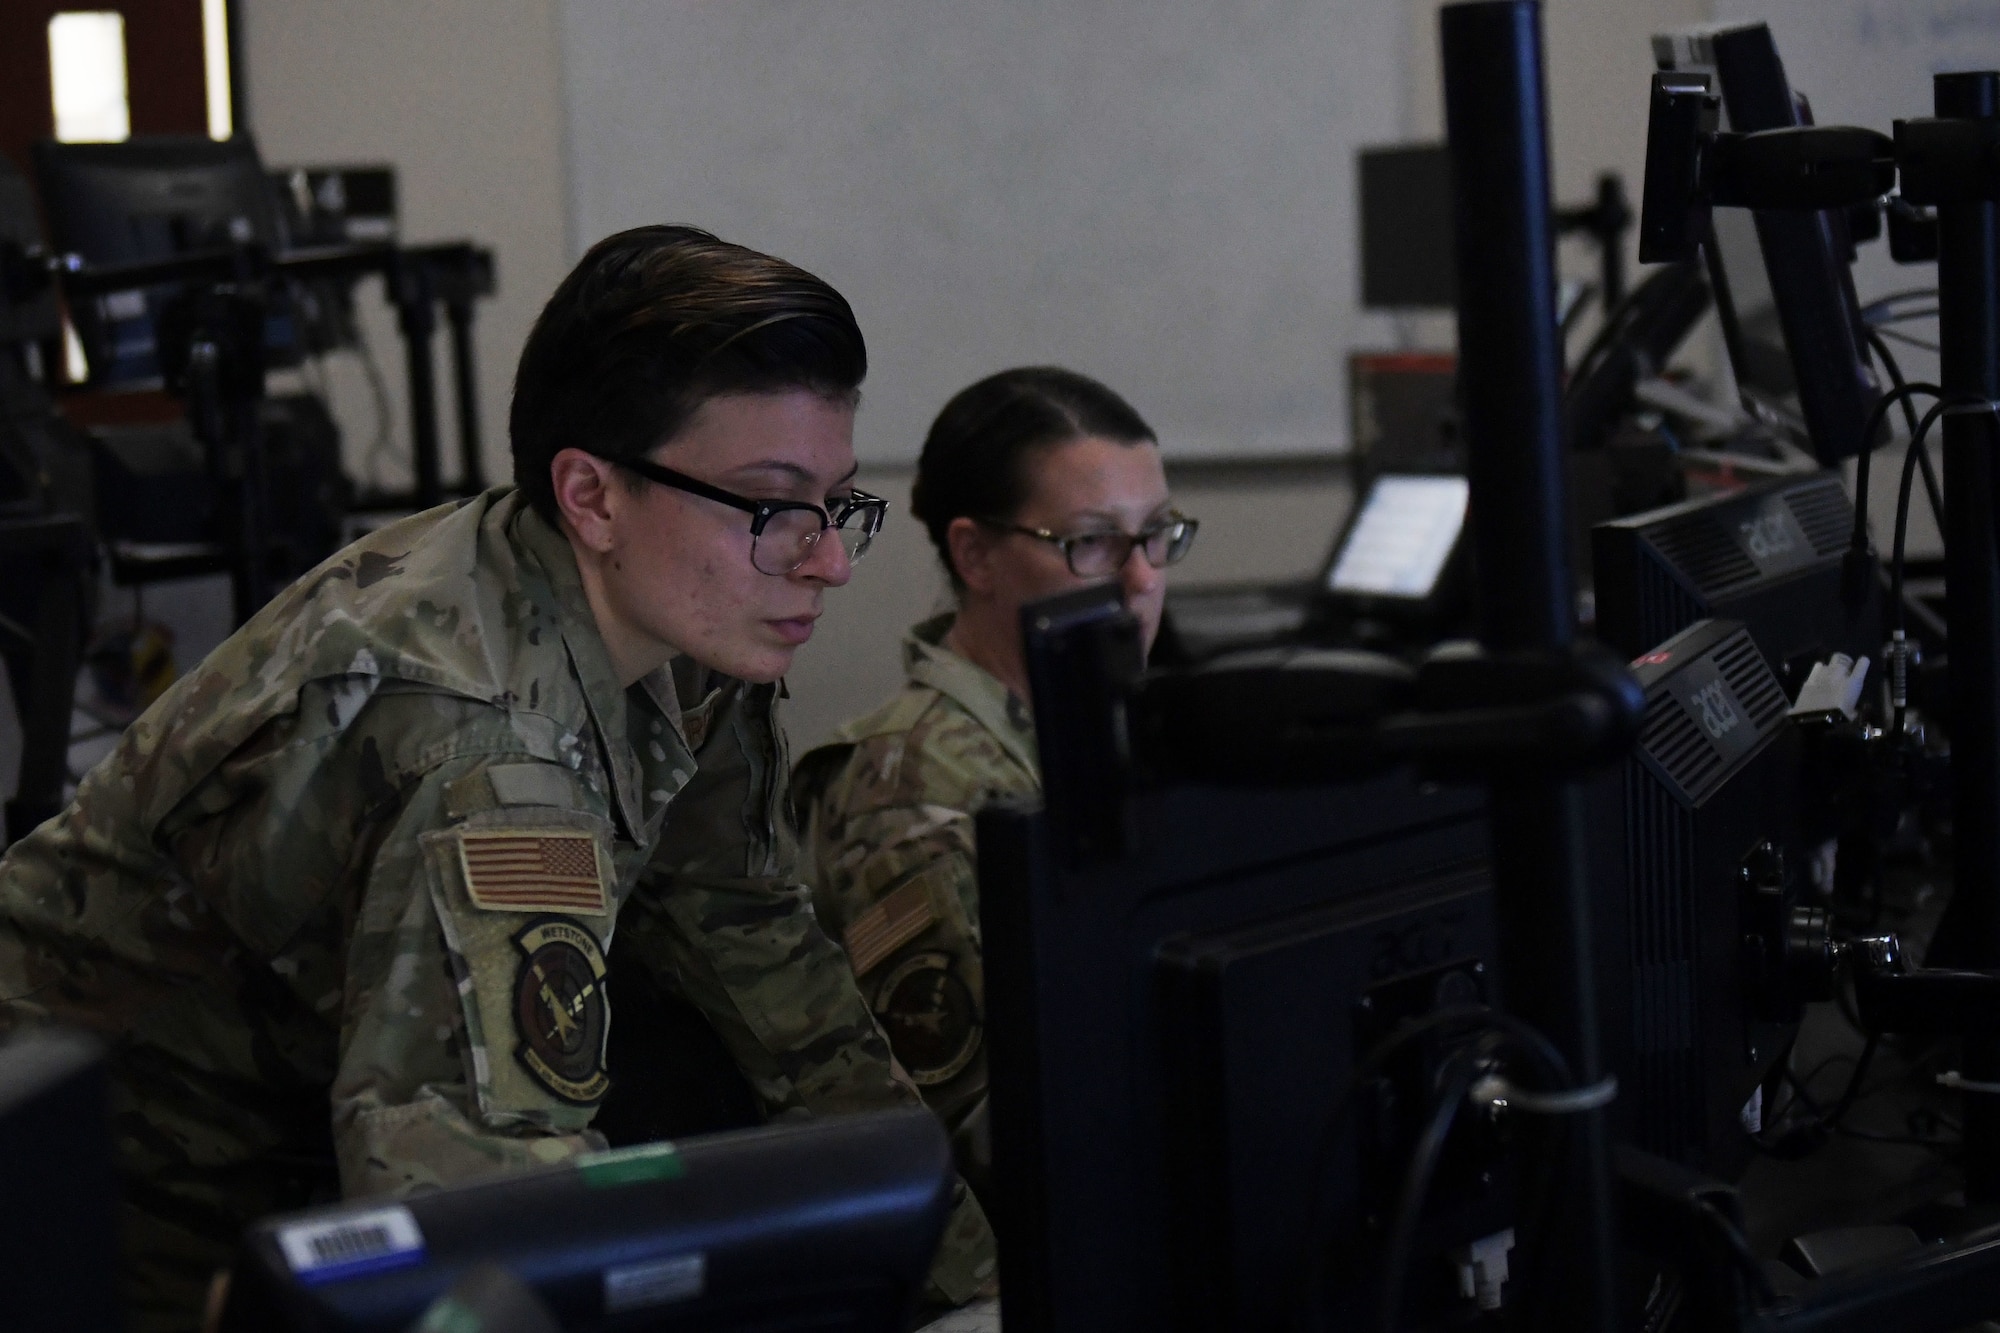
<point>550,552</point>
<point>926,661</point>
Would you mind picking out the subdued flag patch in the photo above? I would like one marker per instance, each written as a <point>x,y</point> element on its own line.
<point>532,870</point>
<point>888,925</point>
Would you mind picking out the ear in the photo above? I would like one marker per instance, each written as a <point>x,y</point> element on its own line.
<point>971,544</point>
<point>587,496</point>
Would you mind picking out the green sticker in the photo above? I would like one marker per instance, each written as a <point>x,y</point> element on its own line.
<point>630,1166</point>
<point>448,1316</point>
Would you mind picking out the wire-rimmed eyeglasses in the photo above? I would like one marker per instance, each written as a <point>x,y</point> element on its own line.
<point>1099,555</point>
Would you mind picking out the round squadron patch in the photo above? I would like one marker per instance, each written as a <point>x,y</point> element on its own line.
<point>560,1012</point>
<point>931,1019</point>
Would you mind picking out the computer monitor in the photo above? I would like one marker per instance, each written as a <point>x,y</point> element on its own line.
<point>1407,255</point>
<point>827,1223</point>
<point>1402,537</point>
<point>1688,847</point>
<point>1772,556</point>
<point>147,199</point>
<point>1179,988</point>
<point>58,1234</point>
<point>1399,569</point>
<point>1793,290</point>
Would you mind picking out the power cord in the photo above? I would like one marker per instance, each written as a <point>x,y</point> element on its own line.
<point>1953,403</point>
<point>1464,1070</point>
<point>1858,539</point>
<point>1472,1020</point>
<point>1931,486</point>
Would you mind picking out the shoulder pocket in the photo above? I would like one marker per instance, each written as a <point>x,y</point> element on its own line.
<point>526,910</point>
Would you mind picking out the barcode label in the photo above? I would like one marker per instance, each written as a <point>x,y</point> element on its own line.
<point>654,1282</point>
<point>330,1249</point>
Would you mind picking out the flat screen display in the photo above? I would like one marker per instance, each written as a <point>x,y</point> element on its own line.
<point>1406,532</point>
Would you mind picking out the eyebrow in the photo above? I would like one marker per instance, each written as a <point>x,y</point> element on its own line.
<point>1105,516</point>
<point>794,471</point>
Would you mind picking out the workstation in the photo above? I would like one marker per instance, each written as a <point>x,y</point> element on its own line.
<point>1478,809</point>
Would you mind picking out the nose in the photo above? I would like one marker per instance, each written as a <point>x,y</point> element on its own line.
<point>827,561</point>
<point>1137,577</point>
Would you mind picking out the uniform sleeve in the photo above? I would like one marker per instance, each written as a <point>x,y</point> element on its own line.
<point>456,1016</point>
<point>474,1014</point>
<point>899,876</point>
<point>334,847</point>
<point>725,918</point>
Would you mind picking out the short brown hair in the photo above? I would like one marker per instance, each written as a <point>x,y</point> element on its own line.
<point>652,323</point>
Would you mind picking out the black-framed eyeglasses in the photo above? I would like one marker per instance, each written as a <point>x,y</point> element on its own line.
<point>783,533</point>
<point>1099,555</point>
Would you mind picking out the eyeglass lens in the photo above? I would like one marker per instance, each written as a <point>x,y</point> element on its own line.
<point>790,535</point>
<point>1099,555</point>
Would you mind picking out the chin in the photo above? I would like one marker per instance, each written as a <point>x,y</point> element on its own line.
<point>757,665</point>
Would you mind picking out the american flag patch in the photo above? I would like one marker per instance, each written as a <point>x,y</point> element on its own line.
<point>528,870</point>
<point>888,926</point>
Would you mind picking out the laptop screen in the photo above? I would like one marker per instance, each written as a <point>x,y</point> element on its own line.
<point>1399,545</point>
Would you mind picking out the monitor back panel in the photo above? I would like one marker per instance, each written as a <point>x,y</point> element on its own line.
<point>1169,1031</point>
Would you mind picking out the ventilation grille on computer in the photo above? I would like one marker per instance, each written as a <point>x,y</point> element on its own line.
<point>1671,738</point>
<point>1659,849</point>
<point>1704,551</point>
<point>1823,513</point>
<point>1750,677</point>
<point>1676,743</point>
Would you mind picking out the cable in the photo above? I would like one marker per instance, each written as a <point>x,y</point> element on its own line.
<point>1944,404</point>
<point>1950,402</point>
<point>1549,1062</point>
<point>1922,344</point>
<point>1881,303</point>
<point>1902,392</point>
<point>378,390</point>
<point>1931,486</point>
<point>1739,1249</point>
<point>1465,1069</point>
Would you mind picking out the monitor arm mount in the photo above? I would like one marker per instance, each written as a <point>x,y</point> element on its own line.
<point>1604,219</point>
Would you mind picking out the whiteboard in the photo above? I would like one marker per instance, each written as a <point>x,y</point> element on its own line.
<point>1157,194</point>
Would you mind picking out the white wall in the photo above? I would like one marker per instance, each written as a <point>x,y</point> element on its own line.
<point>1158,194</point>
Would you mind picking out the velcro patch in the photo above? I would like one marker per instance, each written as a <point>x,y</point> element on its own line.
<point>888,925</point>
<point>532,870</point>
<point>560,1012</point>
<point>930,1017</point>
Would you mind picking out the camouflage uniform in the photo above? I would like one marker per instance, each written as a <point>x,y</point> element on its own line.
<point>886,809</point>
<point>371,853</point>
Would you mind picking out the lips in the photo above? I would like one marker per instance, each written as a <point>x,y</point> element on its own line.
<point>794,631</point>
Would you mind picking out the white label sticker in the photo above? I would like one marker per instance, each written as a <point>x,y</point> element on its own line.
<point>124,305</point>
<point>329,1249</point>
<point>654,1282</point>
